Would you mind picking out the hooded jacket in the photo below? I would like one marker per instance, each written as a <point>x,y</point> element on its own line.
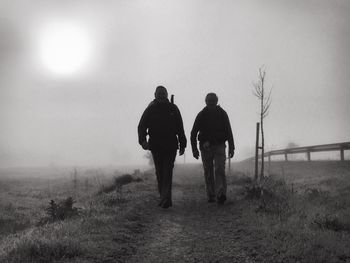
<point>162,121</point>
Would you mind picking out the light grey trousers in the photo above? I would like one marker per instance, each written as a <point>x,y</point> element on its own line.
<point>213,159</point>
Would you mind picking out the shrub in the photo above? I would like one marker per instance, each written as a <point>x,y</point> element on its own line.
<point>273,196</point>
<point>117,183</point>
<point>123,180</point>
<point>61,210</point>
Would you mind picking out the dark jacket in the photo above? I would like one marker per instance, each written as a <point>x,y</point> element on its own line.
<point>163,123</point>
<point>213,125</point>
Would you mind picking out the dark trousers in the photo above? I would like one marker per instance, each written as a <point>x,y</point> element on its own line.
<point>213,160</point>
<point>164,164</point>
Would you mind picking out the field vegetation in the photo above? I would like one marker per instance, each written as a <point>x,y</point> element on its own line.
<point>303,211</point>
<point>299,213</point>
<point>53,218</point>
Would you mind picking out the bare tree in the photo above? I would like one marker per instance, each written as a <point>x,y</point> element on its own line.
<point>265,103</point>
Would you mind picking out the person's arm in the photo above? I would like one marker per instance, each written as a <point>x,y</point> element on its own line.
<point>180,132</point>
<point>194,133</point>
<point>142,129</point>
<point>229,135</point>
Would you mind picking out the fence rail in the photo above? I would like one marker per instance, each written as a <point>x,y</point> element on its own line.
<point>308,150</point>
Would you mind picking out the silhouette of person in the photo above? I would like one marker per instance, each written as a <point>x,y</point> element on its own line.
<point>213,128</point>
<point>162,122</point>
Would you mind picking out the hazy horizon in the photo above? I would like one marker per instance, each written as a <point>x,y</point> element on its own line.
<point>82,106</point>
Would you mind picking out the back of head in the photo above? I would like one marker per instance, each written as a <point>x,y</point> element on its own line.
<point>211,100</point>
<point>161,94</point>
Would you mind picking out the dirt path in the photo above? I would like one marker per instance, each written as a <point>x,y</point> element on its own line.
<point>193,230</point>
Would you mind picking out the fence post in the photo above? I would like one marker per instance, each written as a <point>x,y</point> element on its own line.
<point>257,151</point>
<point>308,154</point>
<point>342,154</point>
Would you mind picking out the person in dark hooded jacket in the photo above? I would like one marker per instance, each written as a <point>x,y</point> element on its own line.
<point>162,123</point>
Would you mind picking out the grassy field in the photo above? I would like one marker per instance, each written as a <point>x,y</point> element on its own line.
<point>25,193</point>
<point>328,176</point>
<point>34,230</point>
<point>301,213</point>
<point>305,212</point>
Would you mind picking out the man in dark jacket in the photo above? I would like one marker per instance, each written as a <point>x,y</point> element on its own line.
<point>162,122</point>
<point>213,126</point>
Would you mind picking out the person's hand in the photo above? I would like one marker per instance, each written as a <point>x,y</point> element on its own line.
<point>181,151</point>
<point>145,145</point>
<point>231,153</point>
<point>195,154</point>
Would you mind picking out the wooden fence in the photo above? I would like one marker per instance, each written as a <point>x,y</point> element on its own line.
<point>341,147</point>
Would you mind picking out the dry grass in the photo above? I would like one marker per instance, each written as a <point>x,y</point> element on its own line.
<point>291,218</point>
<point>29,233</point>
<point>302,217</point>
<point>117,183</point>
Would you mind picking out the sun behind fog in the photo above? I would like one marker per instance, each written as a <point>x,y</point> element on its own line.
<point>65,48</point>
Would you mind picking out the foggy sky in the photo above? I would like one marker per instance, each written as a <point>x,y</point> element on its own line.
<point>192,48</point>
